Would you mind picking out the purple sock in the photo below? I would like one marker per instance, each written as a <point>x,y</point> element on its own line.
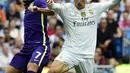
<point>31,72</point>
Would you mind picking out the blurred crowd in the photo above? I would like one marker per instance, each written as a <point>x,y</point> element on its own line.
<point>113,33</point>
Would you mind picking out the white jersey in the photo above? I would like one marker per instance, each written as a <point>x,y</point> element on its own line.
<point>80,26</point>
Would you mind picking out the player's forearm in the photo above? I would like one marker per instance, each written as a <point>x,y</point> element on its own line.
<point>115,2</point>
<point>46,11</point>
<point>107,42</point>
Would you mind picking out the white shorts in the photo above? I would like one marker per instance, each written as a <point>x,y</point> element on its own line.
<point>82,65</point>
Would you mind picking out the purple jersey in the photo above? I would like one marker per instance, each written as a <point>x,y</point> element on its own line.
<point>36,47</point>
<point>35,24</point>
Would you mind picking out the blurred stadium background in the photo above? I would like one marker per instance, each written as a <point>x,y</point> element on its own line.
<point>113,37</point>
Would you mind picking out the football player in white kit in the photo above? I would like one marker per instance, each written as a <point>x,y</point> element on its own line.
<point>80,24</point>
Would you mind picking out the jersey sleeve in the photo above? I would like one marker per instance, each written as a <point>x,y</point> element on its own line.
<point>102,7</point>
<point>59,8</point>
<point>40,3</point>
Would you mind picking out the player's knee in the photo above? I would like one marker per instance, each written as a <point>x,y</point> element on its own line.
<point>32,67</point>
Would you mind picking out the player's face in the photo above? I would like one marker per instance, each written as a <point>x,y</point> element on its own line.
<point>125,16</point>
<point>103,23</point>
<point>98,50</point>
<point>59,31</point>
<point>127,6</point>
<point>80,4</point>
<point>52,22</point>
<point>110,14</point>
<point>56,51</point>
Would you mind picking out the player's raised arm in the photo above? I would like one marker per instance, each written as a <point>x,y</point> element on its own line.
<point>55,6</point>
<point>46,11</point>
<point>104,6</point>
<point>59,8</point>
<point>114,3</point>
<point>41,6</point>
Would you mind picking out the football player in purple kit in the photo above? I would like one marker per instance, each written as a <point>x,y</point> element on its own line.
<point>34,55</point>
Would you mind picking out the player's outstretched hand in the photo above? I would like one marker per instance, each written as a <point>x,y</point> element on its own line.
<point>33,8</point>
<point>49,2</point>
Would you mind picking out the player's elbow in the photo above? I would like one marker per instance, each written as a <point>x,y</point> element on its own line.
<point>50,13</point>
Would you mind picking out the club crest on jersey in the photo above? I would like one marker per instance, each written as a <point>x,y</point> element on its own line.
<point>90,12</point>
<point>83,14</point>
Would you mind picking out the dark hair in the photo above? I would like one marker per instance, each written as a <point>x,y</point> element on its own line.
<point>62,39</point>
<point>101,50</point>
<point>101,20</point>
<point>60,24</point>
<point>10,19</point>
<point>1,6</point>
<point>95,1</point>
<point>56,44</point>
<point>19,2</point>
<point>126,11</point>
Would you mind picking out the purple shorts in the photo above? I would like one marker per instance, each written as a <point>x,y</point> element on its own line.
<point>38,54</point>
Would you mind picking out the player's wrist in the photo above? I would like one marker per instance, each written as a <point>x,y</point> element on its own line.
<point>38,9</point>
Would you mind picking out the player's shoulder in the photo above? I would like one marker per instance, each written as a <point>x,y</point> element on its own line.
<point>101,3</point>
<point>93,5</point>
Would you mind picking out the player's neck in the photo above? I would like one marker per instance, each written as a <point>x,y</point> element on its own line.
<point>103,29</point>
<point>80,7</point>
<point>82,4</point>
